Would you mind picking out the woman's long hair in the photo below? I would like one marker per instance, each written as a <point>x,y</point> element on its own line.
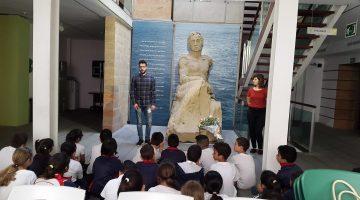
<point>20,157</point>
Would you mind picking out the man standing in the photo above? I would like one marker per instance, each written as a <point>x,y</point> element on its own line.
<point>143,99</point>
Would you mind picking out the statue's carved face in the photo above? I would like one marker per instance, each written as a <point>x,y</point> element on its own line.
<point>195,42</point>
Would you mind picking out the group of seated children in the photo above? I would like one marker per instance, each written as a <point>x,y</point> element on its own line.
<point>204,172</point>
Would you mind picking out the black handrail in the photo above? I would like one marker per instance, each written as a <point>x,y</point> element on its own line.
<point>303,104</point>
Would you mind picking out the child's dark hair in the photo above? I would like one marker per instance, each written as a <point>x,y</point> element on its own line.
<point>108,147</point>
<point>288,153</point>
<point>147,152</point>
<point>272,185</point>
<point>44,146</point>
<point>173,140</point>
<point>105,134</point>
<point>131,181</point>
<point>223,149</point>
<point>157,138</point>
<point>68,148</point>
<point>202,141</point>
<point>241,141</point>
<point>19,139</point>
<point>213,183</point>
<point>194,153</point>
<point>58,164</point>
<point>166,173</point>
<point>261,79</point>
<point>128,165</point>
<point>74,135</point>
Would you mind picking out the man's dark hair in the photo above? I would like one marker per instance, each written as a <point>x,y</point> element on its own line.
<point>19,139</point>
<point>157,138</point>
<point>68,148</point>
<point>202,141</point>
<point>173,140</point>
<point>194,153</point>
<point>105,134</point>
<point>243,142</point>
<point>108,148</point>
<point>288,153</point>
<point>223,149</point>
<point>142,62</point>
<point>147,152</point>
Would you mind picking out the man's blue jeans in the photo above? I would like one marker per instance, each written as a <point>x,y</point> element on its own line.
<point>148,117</point>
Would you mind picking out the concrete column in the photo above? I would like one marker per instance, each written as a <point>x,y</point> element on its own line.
<point>117,74</point>
<point>45,70</point>
<point>280,79</point>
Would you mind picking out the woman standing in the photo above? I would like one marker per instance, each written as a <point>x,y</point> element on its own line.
<point>256,100</point>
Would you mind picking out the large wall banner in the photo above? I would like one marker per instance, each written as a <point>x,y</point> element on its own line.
<point>221,43</point>
<point>153,42</point>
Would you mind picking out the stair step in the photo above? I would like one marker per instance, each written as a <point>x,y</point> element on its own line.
<point>268,46</point>
<point>315,13</point>
<point>265,55</point>
<point>251,15</point>
<point>263,72</point>
<point>302,37</point>
<point>268,64</point>
<point>251,8</point>
<point>248,22</point>
<point>305,25</point>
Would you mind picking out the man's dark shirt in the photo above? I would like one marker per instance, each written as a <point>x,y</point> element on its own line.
<point>143,90</point>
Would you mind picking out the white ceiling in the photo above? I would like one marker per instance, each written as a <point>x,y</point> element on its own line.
<point>76,16</point>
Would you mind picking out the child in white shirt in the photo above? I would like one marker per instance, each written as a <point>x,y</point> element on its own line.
<point>17,174</point>
<point>105,134</point>
<point>75,171</point>
<point>166,179</point>
<point>206,159</point>
<point>212,185</point>
<point>191,169</point>
<point>6,153</point>
<point>227,170</point>
<point>75,136</point>
<point>244,164</point>
<point>157,142</point>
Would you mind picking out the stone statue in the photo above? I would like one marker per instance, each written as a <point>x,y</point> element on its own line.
<point>194,99</point>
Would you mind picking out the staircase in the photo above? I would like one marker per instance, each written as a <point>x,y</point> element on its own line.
<point>257,59</point>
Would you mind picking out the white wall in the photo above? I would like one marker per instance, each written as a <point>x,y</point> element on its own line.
<point>79,65</point>
<point>310,92</point>
<point>337,50</point>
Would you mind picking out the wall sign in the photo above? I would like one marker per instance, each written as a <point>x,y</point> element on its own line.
<point>351,30</point>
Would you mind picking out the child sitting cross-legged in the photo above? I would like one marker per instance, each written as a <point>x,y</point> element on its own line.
<point>172,153</point>
<point>166,179</point>
<point>191,169</point>
<point>147,167</point>
<point>213,185</point>
<point>227,170</point>
<point>157,142</point>
<point>206,159</point>
<point>75,171</point>
<point>269,187</point>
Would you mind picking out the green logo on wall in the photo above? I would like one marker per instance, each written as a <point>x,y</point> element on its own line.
<point>350,30</point>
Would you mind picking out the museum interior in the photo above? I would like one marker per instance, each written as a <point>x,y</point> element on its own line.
<point>274,73</point>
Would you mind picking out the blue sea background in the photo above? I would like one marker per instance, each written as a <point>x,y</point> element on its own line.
<point>221,43</point>
<point>162,45</point>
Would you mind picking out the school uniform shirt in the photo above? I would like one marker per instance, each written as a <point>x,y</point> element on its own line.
<point>207,159</point>
<point>245,166</point>
<point>6,154</point>
<point>207,196</point>
<point>75,170</point>
<point>50,182</point>
<point>22,177</point>
<point>148,170</point>
<point>111,188</point>
<point>172,154</point>
<point>137,157</point>
<point>105,168</point>
<point>228,173</point>
<point>80,150</point>
<point>164,189</point>
<point>188,170</point>
<point>95,153</point>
